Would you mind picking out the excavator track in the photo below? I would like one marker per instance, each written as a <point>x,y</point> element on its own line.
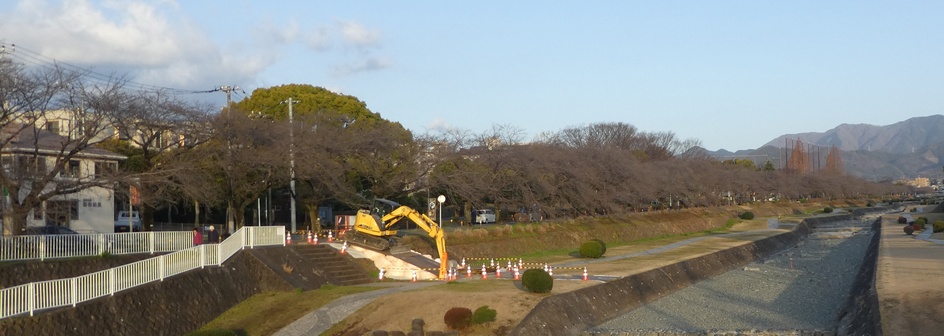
<point>367,241</point>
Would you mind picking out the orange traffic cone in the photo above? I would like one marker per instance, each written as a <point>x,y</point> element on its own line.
<point>498,272</point>
<point>414,276</point>
<point>310,239</point>
<point>517,275</point>
<point>585,278</point>
<point>484,273</point>
<point>382,271</point>
<point>344,247</point>
<point>330,236</point>
<point>468,271</point>
<point>288,238</point>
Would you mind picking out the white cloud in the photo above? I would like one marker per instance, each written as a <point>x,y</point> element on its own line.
<point>358,35</point>
<point>439,125</point>
<point>152,42</point>
<point>365,65</point>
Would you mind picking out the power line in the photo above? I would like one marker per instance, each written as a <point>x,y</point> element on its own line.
<point>27,56</point>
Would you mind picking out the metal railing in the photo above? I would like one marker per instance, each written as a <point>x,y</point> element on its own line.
<point>42,247</point>
<point>36,296</point>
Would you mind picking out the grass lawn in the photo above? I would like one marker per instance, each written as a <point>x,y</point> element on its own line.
<point>266,313</point>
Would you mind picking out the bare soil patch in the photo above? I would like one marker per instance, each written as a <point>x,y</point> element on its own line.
<point>396,311</point>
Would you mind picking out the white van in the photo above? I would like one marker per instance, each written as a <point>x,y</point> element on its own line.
<point>484,216</point>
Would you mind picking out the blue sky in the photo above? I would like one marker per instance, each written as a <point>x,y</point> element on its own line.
<point>732,74</point>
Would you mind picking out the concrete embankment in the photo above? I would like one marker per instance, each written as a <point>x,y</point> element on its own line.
<point>573,312</point>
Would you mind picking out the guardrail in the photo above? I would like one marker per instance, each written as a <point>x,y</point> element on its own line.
<point>36,296</point>
<point>44,247</point>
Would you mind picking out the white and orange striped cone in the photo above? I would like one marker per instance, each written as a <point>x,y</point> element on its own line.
<point>545,267</point>
<point>585,277</point>
<point>344,247</point>
<point>382,271</point>
<point>330,236</point>
<point>520,263</point>
<point>311,240</point>
<point>316,239</point>
<point>550,271</point>
<point>413,278</point>
<point>463,263</point>
<point>498,272</point>
<point>288,238</point>
<point>484,273</point>
<point>517,275</point>
<point>492,264</point>
<point>509,266</point>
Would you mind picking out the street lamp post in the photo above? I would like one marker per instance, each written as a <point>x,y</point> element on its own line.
<point>441,199</point>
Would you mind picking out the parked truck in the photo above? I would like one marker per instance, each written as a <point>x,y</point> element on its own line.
<point>128,221</point>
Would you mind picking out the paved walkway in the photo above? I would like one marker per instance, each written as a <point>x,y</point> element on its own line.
<point>910,281</point>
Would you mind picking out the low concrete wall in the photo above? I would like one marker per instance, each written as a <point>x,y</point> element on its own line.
<point>175,306</point>
<point>571,313</point>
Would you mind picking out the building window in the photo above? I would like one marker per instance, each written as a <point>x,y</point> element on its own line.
<point>71,169</point>
<point>53,126</point>
<point>103,168</point>
<point>31,164</point>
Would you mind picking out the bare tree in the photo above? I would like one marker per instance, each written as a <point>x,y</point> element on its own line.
<point>50,118</point>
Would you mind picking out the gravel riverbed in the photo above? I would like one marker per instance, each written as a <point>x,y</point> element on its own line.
<point>799,291</point>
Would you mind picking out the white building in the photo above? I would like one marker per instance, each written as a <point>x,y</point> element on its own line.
<point>89,210</point>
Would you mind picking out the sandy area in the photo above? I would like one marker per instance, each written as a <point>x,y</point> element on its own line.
<point>396,311</point>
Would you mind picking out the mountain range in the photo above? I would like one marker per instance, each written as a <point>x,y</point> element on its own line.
<point>906,149</point>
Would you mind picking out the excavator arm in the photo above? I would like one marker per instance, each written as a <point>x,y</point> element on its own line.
<point>427,224</point>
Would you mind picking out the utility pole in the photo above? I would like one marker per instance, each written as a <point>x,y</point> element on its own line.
<point>230,212</point>
<point>291,155</point>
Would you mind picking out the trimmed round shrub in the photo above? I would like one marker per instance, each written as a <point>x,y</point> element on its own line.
<point>827,210</point>
<point>591,249</point>
<point>902,220</point>
<point>919,223</point>
<point>537,280</point>
<point>747,215</point>
<point>484,314</point>
<point>938,226</point>
<point>458,318</point>
<point>602,243</point>
<point>909,229</point>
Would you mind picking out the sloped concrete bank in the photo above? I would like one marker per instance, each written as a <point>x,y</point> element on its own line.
<point>861,313</point>
<point>573,312</point>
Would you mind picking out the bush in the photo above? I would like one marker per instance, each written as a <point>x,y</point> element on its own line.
<point>537,280</point>
<point>925,219</point>
<point>909,229</point>
<point>602,243</point>
<point>458,318</point>
<point>913,210</point>
<point>902,220</point>
<point>938,226</point>
<point>483,315</point>
<point>919,223</point>
<point>747,215</point>
<point>827,210</point>
<point>870,204</point>
<point>591,249</point>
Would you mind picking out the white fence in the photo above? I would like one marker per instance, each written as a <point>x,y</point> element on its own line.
<point>85,245</point>
<point>32,297</point>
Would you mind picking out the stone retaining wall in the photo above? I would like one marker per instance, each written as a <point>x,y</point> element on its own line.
<point>861,316</point>
<point>571,313</point>
<point>175,306</point>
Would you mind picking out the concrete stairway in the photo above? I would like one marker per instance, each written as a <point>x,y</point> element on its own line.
<point>340,269</point>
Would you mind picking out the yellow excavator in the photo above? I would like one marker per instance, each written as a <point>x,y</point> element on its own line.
<point>372,229</point>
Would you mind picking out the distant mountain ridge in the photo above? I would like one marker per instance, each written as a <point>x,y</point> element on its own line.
<point>906,149</point>
<point>901,137</point>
